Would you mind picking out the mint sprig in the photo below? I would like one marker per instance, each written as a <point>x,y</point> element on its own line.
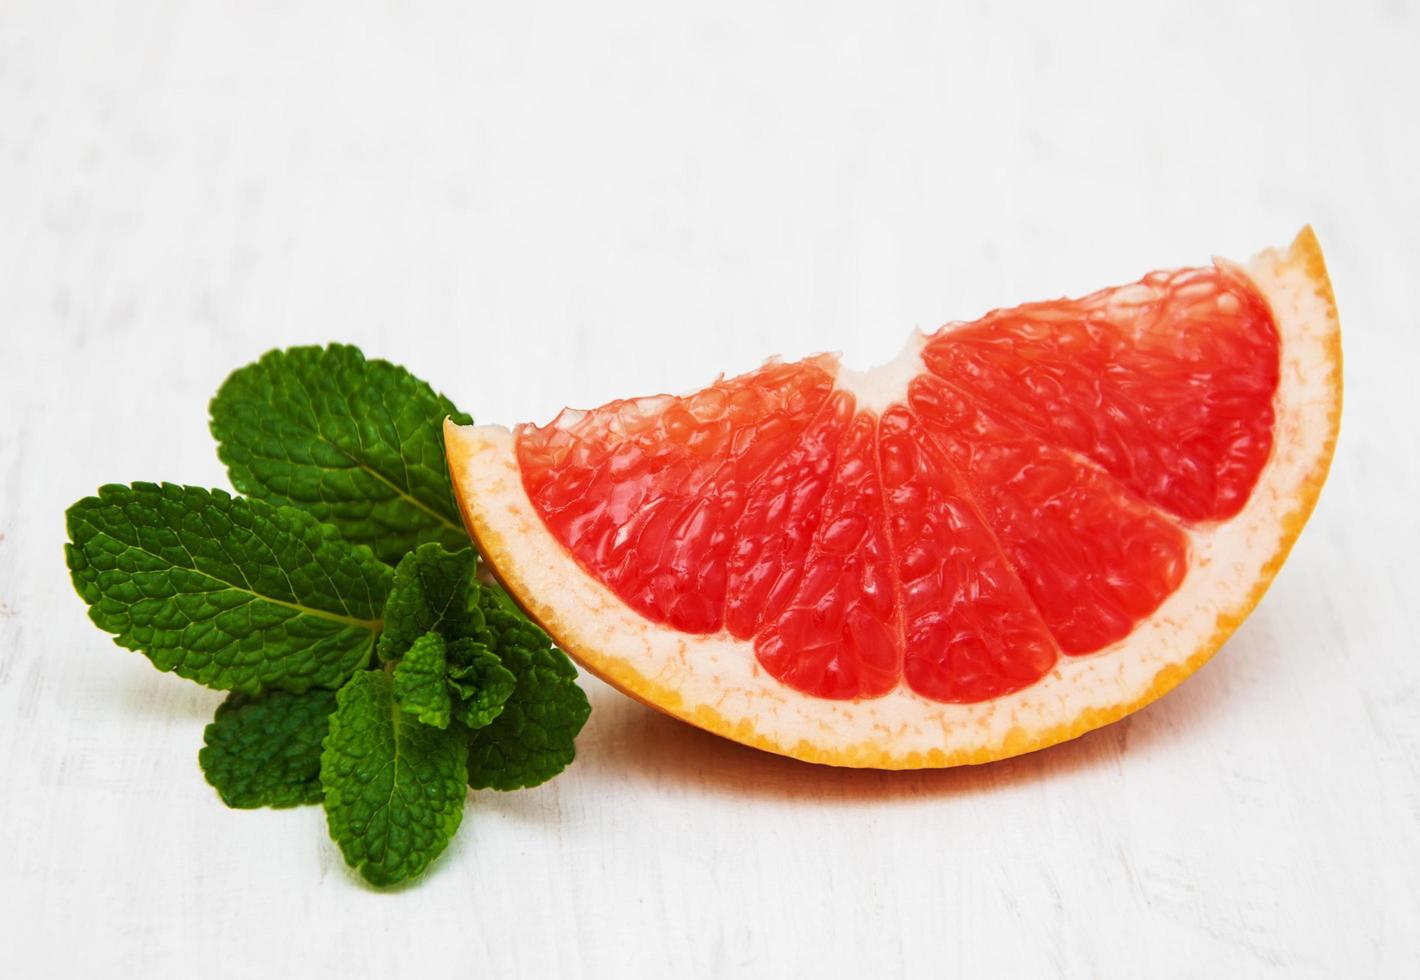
<point>383,692</point>
<point>431,590</point>
<point>480,685</point>
<point>421,686</point>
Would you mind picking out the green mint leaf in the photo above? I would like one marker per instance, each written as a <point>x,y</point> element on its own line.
<point>432,591</point>
<point>265,750</point>
<point>419,681</point>
<point>480,681</point>
<point>359,444</point>
<point>533,738</point>
<point>394,788</point>
<point>495,597</point>
<point>234,594</point>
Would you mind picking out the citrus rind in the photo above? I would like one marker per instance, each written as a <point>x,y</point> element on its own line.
<point>716,683</point>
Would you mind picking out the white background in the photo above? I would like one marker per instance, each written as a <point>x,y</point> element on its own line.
<point>534,206</point>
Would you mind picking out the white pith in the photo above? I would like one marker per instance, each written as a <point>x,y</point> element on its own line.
<point>721,673</point>
<point>875,389</point>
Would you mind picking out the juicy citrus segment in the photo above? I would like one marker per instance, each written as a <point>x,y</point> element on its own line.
<point>753,504</point>
<point>1016,534</point>
<point>646,492</point>
<point>972,632</point>
<point>780,518</point>
<point>838,635</point>
<point>1095,560</point>
<point>1024,468</point>
<point>1167,383</point>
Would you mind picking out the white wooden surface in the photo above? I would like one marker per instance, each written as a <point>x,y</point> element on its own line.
<point>533,206</point>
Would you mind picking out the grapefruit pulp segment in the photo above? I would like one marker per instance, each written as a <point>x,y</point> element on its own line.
<point>1094,558</point>
<point>839,635</point>
<point>646,492</point>
<point>972,632</point>
<point>1049,420</point>
<point>780,518</point>
<point>1063,512</point>
<point>1167,383</point>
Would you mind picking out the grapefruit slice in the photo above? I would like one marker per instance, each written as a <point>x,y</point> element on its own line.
<point>1023,528</point>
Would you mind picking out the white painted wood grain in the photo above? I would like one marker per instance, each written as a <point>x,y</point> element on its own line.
<point>540,205</point>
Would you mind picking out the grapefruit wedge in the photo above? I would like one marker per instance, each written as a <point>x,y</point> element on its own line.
<point>1023,528</point>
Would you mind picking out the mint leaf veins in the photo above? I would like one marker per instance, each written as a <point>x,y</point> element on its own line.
<point>433,589</point>
<point>265,750</point>
<point>479,683</point>
<point>384,692</point>
<point>394,787</point>
<point>420,685</point>
<point>357,443</point>
<point>533,738</point>
<point>234,594</point>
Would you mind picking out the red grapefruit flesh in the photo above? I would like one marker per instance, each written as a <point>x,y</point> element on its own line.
<point>1025,527</point>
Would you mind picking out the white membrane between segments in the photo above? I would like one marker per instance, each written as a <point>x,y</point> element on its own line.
<point>886,384</point>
